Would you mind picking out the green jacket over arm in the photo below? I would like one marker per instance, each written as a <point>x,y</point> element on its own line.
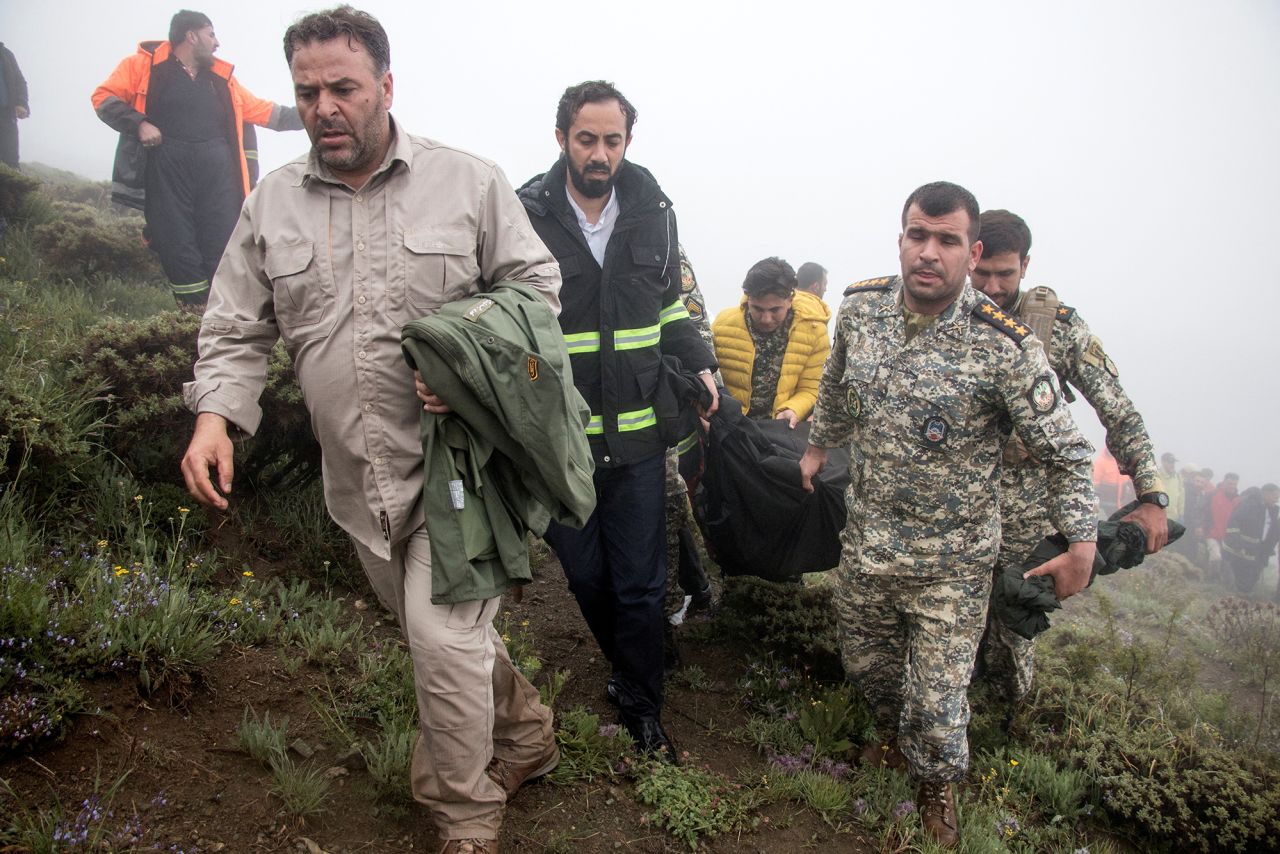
<point>513,453</point>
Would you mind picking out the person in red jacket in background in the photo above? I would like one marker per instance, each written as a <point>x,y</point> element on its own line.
<point>1221,503</point>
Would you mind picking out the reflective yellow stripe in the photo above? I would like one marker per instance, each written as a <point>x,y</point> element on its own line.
<point>687,444</point>
<point>595,426</point>
<point>637,420</point>
<point>193,288</point>
<point>583,342</point>
<point>675,311</point>
<point>635,339</point>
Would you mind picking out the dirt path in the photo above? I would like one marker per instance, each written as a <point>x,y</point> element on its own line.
<point>216,798</point>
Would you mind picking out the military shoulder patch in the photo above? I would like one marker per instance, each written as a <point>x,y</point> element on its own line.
<point>1097,357</point>
<point>1042,396</point>
<point>1006,323</point>
<point>880,284</point>
<point>695,309</point>
<point>1065,312</point>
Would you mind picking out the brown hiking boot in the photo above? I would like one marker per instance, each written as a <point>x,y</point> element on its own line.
<point>937,804</point>
<point>470,846</point>
<point>511,776</point>
<point>885,755</point>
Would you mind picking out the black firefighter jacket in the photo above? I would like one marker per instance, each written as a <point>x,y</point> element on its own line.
<point>512,454</point>
<point>619,320</point>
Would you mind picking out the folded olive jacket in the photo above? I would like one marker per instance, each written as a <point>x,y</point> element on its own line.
<point>513,453</point>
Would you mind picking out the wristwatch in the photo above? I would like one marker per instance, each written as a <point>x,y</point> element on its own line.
<point>1159,499</point>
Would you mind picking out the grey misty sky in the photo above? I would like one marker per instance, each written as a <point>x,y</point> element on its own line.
<point>1138,139</point>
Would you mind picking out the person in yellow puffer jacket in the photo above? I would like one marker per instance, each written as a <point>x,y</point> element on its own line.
<point>772,346</point>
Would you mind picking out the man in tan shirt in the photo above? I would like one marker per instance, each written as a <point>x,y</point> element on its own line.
<point>334,253</point>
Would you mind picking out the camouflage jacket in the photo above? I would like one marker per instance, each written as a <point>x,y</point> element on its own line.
<point>1079,360</point>
<point>927,422</point>
<point>691,296</point>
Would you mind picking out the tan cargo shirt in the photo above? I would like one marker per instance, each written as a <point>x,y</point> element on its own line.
<point>336,273</point>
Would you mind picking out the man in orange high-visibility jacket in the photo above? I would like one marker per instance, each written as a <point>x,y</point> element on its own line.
<point>181,155</point>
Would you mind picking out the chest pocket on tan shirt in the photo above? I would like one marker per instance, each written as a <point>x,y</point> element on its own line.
<point>302,291</point>
<point>439,266</point>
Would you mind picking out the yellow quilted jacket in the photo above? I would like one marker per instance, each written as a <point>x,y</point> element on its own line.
<point>807,348</point>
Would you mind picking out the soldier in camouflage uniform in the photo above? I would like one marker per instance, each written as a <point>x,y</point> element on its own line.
<point>682,547</point>
<point>1078,359</point>
<point>924,380</point>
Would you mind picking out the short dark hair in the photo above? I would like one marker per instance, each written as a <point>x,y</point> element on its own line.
<point>1270,487</point>
<point>338,22</point>
<point>810,273</point>
<point>941,198</point>
<point>1003,232</point>
<point>184,22</point>
<point>591,92</point>
<point>770,276</point>
<point>1231,476</point>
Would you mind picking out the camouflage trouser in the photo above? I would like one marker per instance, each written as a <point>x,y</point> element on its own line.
<point>682,551</point>
<point>909,645</point>
<point>1008,659</point>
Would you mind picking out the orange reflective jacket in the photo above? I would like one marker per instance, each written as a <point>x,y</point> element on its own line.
<point>121,102</point>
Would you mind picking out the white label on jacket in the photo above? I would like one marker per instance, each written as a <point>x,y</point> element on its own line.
<point>457,495</point>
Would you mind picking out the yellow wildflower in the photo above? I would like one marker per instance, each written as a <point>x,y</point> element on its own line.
<point>102,544</point>
<point>137,498</point>
<point>1013,762</point>
<point>120,570</point>
<point>247,574</point>
<point>184,509</point>
<point>234,601</point>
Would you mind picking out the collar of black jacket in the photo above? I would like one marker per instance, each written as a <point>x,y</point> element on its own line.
<point>638,191</point>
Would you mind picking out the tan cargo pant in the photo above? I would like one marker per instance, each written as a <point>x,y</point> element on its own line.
<point>473,703</point>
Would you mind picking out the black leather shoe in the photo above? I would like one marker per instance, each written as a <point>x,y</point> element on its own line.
<point>613,691</point>
<point>650,738</point>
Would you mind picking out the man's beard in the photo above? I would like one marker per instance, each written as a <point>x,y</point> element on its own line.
<point>592,188</point>
<point>364,146</point>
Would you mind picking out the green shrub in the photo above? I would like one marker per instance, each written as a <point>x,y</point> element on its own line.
<point>143,364</point>
<point>80,242</point>
<point>1177,790</point>
<point>588,750</point>
<point>793,622</point>
<point>690,803</point>
<point>17,192</point>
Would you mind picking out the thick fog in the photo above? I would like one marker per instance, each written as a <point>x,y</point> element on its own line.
<point>1139,141</point>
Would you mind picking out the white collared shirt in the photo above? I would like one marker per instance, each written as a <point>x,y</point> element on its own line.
<point>597,235</point>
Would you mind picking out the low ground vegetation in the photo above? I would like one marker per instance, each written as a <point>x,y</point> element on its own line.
<point>1152,725</point>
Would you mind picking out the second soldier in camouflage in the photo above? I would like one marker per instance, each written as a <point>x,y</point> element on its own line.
<point>1078,359</point>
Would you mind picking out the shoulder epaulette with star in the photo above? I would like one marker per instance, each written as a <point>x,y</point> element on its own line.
<point>1065,313</point>
<point>880,284</point>
<point>1006,323</point>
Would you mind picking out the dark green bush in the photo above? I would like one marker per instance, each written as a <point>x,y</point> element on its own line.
<point>1188,793</point>
<point>17,192</point>
<point>794,622</point>
<point>80,242</point>
<point>143,364</point>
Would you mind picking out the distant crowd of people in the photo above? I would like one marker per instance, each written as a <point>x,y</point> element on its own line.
<point>1232,533</point>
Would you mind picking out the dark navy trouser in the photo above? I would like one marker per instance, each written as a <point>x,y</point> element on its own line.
<point>616,567</point>
<point>194,193</point>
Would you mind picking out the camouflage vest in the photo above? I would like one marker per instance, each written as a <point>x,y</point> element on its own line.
<point>1037,308</point>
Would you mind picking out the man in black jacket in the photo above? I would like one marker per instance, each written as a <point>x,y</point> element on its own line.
<point>613,231</point>
<point>1252,533</point>
<point>13,106</point>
